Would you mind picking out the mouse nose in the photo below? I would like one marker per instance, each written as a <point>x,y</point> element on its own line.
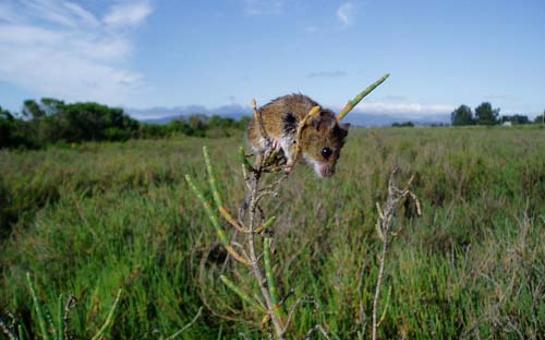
<point>328,171</point>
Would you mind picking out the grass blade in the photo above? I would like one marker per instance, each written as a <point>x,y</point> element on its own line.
<point>108,318</point>
<point>37,308</point>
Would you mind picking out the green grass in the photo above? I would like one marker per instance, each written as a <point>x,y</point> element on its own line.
<point>96,218</point>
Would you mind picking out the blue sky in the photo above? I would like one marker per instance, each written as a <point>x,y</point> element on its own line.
<point>159,53</point>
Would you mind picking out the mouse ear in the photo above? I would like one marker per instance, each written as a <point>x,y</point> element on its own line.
<point>316,121</point>
<point>342,130</point>
<point>322,120</point>
<point>311,117</point>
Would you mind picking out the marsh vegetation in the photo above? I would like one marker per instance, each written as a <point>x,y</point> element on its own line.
<point>90,219</point>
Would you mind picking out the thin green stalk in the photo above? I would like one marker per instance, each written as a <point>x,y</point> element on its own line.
<point>245,160</point>
<point>37,308</point>
<point>183,329</point>
<point>212,178</point>
<point>211,215</point>
<point>60,318</point>
<point>267,224</point>
<point>215,223</point>
<point>271,283</point>
<point>241,294</point>
<point>108,318</point>
<point>352,103</point>
<point>21,332</point>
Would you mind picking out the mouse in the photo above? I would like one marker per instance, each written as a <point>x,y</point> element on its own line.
<point>321,135</point>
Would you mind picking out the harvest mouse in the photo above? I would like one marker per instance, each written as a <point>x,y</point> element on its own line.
<point>322,137</point>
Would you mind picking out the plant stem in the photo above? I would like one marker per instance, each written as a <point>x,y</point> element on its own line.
<point>271,283</point>
<point>379,283</point>
<point>274,314</point>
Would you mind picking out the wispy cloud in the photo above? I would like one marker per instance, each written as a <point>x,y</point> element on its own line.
<point>396,104</point>
<point>128,14</point>
<point>346,13</point>
<point>263,7</point>
<point>326,74</point>
<point>59,48</point>
<point>82,15</point>
<point>416,110</point>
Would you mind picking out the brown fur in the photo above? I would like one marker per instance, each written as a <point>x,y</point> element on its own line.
<point>281,118</point>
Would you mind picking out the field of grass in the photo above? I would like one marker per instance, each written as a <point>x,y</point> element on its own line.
<point>91,219</point>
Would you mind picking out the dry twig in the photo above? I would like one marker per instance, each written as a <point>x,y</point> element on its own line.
<point>385,231</point>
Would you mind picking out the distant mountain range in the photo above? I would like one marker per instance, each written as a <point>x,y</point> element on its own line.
<point>163,115</point>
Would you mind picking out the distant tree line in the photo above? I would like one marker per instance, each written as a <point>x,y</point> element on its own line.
<point>485,114</point>
<point>404,124</point>
<point>51,121</point>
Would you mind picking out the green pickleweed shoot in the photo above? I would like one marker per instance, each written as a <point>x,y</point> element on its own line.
<point>271,283</point>
<point>211,178</point>
<point>352,103</point>
<point>211,215</point>
<point>230,284</point>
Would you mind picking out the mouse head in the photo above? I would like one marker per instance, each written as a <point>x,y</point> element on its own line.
<point>321,142</point>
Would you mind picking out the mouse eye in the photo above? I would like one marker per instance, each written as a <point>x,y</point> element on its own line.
<point>326,152</point>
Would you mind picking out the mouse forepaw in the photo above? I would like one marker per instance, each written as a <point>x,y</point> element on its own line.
<point>289,166</point>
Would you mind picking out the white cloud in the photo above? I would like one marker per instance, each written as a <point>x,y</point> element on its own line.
<point>60,49</point>
<point>56,12</point>
<point>128,14</point>
<point>345,13</point>
<point>85,16</point>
